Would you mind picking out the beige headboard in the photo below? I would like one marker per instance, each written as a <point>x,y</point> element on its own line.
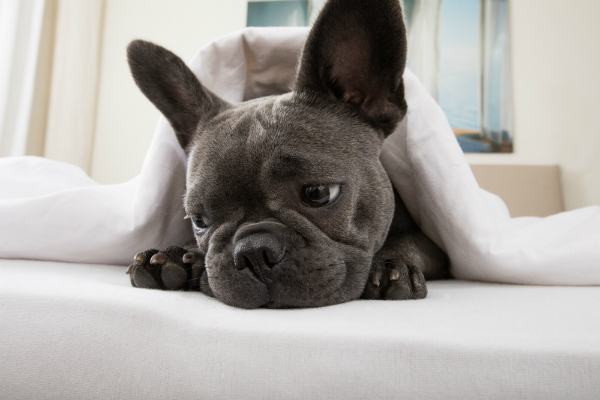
<point>526,190</point>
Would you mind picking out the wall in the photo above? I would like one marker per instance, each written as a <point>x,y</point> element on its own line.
<point>556,62</point>
<point>125,119</point>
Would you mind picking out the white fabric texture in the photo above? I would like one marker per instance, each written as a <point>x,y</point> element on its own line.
<point>86,222</point>
<point>76,331</point>
<point>20,33</point>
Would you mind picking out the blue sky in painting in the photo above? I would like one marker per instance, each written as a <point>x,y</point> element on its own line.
<point>460,23</point>
<point>459,63</point>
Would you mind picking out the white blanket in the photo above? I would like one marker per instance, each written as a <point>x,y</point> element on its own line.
<point>52,211</point>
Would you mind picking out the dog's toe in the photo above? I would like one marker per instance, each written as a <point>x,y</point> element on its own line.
<point>142,274</point>
<point>173,276</point>
<point>173,268</point>
<point>399,287</point>
<point>394,280</point>
<point>419,287</point>
<point>406,282</point>
<point>142,278</point>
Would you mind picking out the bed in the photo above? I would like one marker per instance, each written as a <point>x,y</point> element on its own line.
<point>74,331</point>
<point>75,328</point>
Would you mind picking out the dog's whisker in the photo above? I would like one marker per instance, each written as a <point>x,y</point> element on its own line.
<point>173,171</point>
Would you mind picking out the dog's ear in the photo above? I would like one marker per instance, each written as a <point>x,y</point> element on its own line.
<point>173,88</point>
<point>356,53</point>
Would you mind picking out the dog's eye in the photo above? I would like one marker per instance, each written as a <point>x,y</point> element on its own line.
<point>319,195</point>
<point>200,221</point>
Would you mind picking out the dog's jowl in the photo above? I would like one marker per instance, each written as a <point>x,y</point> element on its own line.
<point>286,195</point>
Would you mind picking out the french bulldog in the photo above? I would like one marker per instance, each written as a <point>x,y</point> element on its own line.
<point>288,200</point>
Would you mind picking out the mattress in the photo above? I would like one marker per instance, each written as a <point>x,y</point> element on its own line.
<point>73,331</point>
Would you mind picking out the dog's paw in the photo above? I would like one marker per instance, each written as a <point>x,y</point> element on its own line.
<point>392,279</point>
<point>173,268</point>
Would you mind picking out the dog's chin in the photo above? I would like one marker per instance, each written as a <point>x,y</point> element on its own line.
<point>277,306</point>
<point>342,284</point>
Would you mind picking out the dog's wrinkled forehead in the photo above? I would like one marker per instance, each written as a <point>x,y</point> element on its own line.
<point>279,138</point>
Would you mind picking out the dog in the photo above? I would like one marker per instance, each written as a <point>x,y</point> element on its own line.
<point>288,200</point>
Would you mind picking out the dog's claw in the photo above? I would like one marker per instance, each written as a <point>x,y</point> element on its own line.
<point>376,278</point>
<point>394,274</point>
<point>129,269</point>
<point>189,258</point>
<point>139,259</point>
<point>158,258</point>
<point>415,280</point>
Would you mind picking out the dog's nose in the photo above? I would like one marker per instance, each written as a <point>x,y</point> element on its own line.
<point>259,252</point>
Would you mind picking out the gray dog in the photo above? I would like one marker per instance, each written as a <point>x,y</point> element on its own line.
<point>289,203</point>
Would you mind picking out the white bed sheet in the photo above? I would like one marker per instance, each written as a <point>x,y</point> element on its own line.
<point>73,331</point>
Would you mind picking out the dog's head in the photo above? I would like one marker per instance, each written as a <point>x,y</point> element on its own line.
<point>287,196</point>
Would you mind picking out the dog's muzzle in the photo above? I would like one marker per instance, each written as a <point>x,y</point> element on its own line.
<point>259,247</point>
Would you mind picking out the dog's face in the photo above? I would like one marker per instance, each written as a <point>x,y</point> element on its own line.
<point>293,202</point>
<point>287,196</point>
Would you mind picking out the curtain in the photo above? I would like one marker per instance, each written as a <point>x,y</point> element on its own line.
<point>49,78</point>
<point>496,91</point>
<point>423,18</point>
<point>74,91</point>
<point>21,24</point>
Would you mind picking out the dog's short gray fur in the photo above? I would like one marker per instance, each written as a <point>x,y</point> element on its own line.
<point>248,164</point>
